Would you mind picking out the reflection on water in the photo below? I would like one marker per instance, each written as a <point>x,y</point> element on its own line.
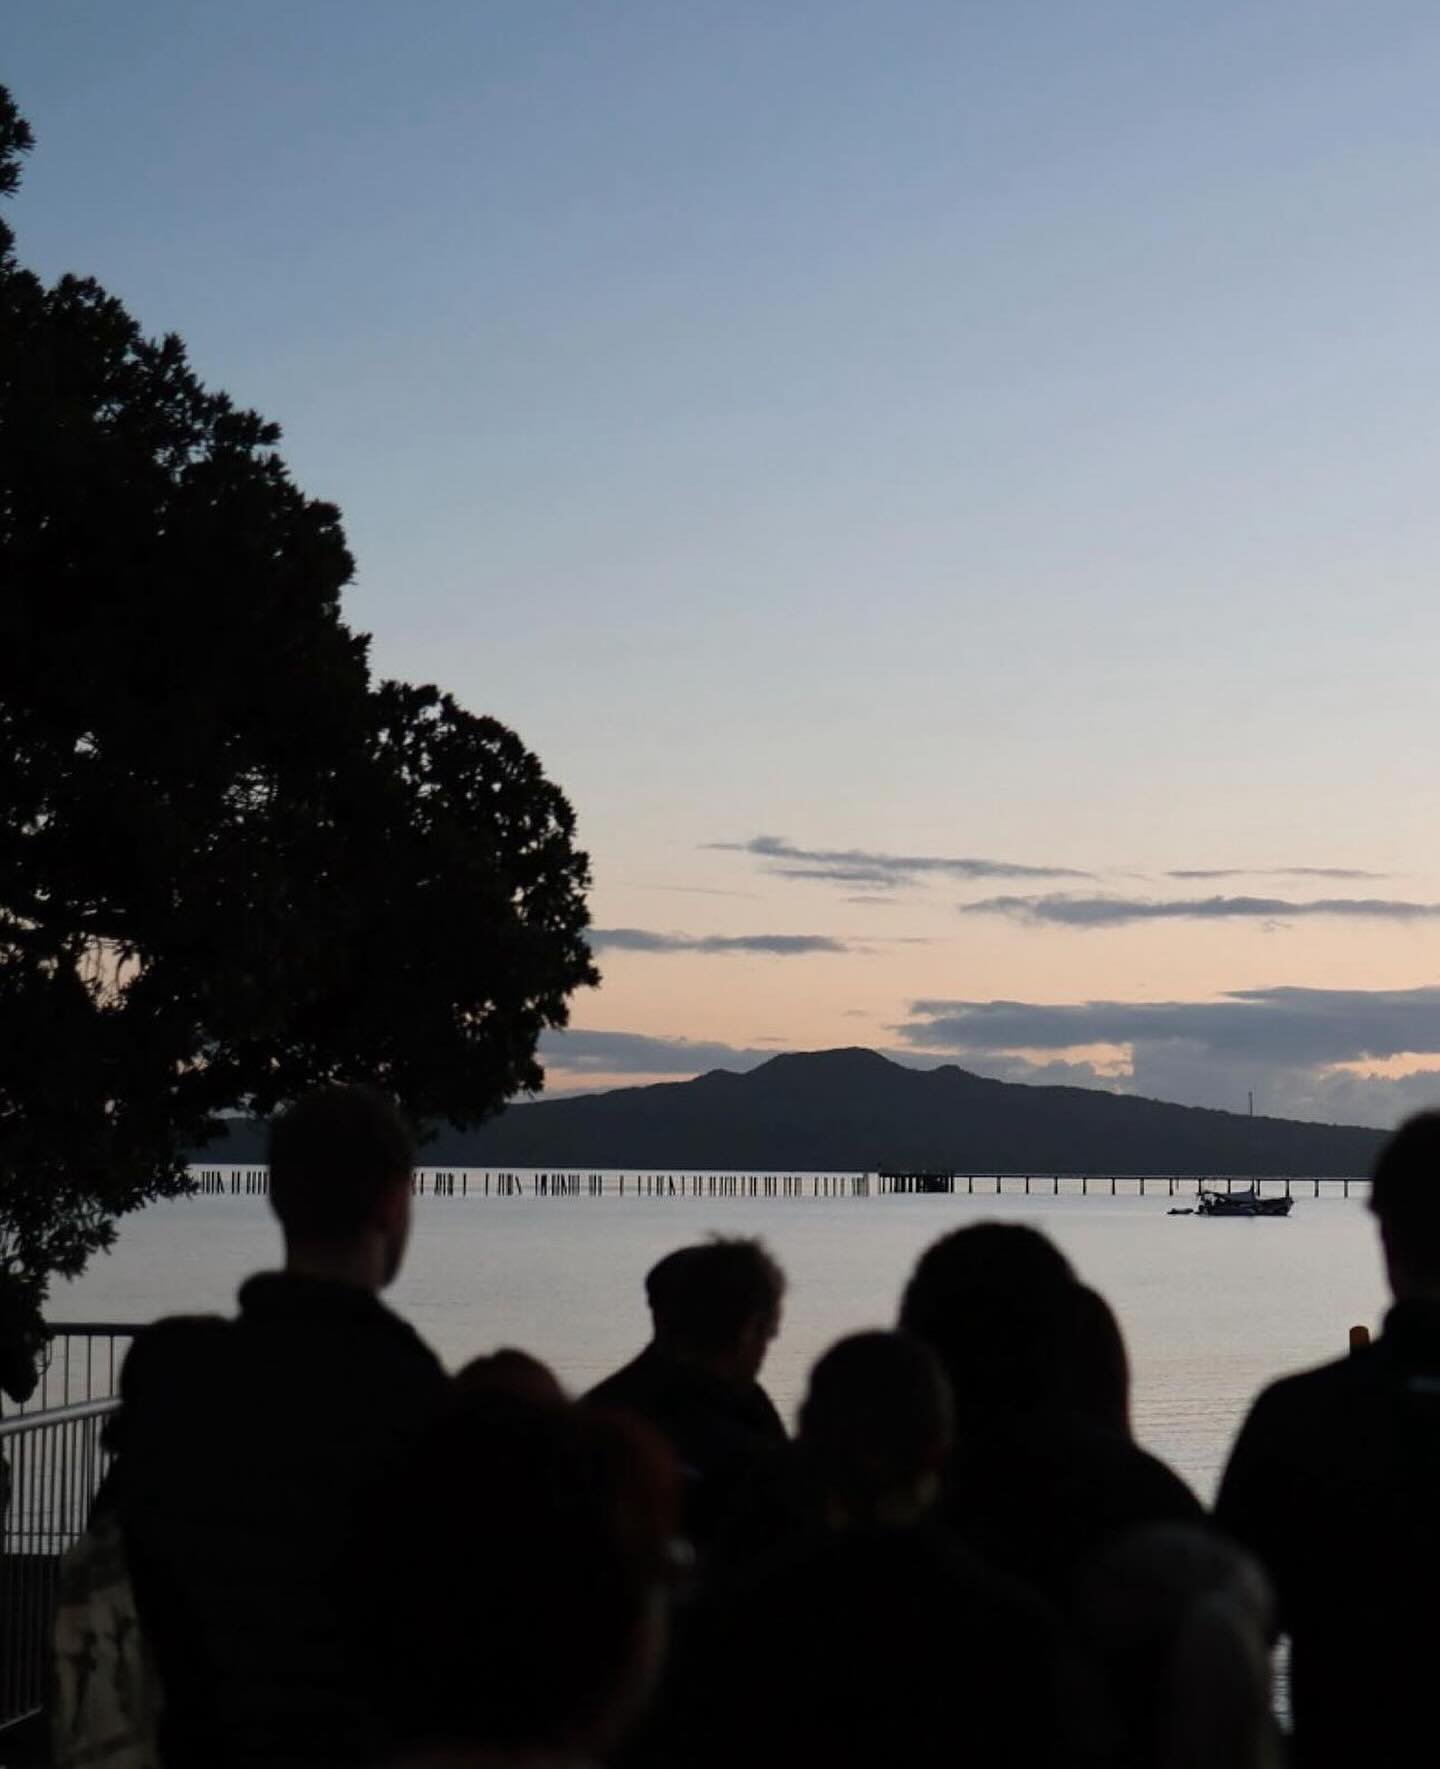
<point>1211,1310</point>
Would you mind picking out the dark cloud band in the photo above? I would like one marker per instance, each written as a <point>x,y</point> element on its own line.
<point>634,1053</point>
<point>634,939</point>
<point>1284,1025</point>
<point>1203,872</point>
<point>1064,909</point>
<point>864,866</point>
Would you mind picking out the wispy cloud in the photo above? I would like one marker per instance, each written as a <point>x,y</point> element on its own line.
<point>1064,909</point>
<point>698,891</point>
<point>1202,872</point>
<point>876,869</point>
<point>634,939</point>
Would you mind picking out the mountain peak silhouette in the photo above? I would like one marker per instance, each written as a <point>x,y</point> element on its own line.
<point>853,1109</point>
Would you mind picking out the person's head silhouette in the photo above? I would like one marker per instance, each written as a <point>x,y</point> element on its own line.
<point>992,1302</point>
<point>340,1174</point>
<point>717,1305</point>
<point>876,1424</point>
<point>1405,1197</point>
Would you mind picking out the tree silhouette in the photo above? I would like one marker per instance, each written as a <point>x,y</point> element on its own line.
<point>230,866</point>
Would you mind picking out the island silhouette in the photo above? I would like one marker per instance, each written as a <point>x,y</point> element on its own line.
<point>855,1110</point>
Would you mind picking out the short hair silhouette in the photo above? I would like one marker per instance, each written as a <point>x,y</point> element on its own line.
<point>1405,1194</point>
<point>703,1297</point>
<point>567,1519</point>
<point>985,1299</point>
<point>334,1155</point>
<point>665,1280</point>
<point>984,1259</point>
<point>877,1417</point>
<point>509,1374</point>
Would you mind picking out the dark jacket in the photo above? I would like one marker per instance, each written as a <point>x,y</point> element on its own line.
<point>1037,1496</point>
<point>889,1649</point>
<point>246,1452</point>
<point>1334,1484</point>
<point>719,1431</point>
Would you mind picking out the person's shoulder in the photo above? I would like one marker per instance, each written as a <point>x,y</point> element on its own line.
<point>173,1347</point>
<point>397,1368</point>
<point>282,1313</point>
<point>1287,1427</point>
<point>765,1415</point>
<point>1312,1393</point>
<point>1175,1497</point>
<point>631,1383</point>
<point>171,1365</point>
<point>407,1340</point>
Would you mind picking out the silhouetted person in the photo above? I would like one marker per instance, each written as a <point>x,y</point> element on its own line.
<point>875,1429</point>
<point>1045,1470</point>
<point>1177,1624</point>
<point>510,1374</point>
<point>246,1451</point>
<point>715,1308</point>
<point>521,1620</point>
<point>1334,1483</point>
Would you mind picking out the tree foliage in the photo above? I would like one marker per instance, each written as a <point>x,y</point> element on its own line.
<point>231,865</point>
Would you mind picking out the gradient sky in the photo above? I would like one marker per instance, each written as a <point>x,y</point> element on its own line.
<point>928,430</point>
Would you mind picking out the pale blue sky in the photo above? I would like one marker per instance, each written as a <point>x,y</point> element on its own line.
<point>944,429</point>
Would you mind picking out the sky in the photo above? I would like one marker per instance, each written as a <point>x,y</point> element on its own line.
<point>946,489</point>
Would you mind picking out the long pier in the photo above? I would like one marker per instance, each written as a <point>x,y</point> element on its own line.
<point>485,1182</point>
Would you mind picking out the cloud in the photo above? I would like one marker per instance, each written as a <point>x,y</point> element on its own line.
<point>1188,1077</point>
<point>634,939</point>
<point>1290,1024</point>
<point>868,867</point>
<point>1064,909</point>
<point>700,891</point>
<point>1198,872</point>
<point>581,1053</point>
<point>1302,1051</point>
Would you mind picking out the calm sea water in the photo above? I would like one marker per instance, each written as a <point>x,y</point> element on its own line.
<point>1211,1310</point>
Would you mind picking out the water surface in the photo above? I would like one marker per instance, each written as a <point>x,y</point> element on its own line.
<point>1212,1310</point>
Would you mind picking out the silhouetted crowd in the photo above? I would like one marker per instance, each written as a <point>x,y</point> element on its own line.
<point>342,1556</point>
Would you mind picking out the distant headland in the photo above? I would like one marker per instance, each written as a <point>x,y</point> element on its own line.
<point>855,1110</point>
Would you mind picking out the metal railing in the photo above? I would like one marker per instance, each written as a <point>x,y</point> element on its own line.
<point>81,1363</point>
<point>51,1467</point>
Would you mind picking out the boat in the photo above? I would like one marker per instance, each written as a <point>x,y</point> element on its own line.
<point>1246,1203</point>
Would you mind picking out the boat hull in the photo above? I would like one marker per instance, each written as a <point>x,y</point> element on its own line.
<point>1242,1204</point>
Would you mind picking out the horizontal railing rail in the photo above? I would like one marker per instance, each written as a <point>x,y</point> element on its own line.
<point>81,1362</point>
<point>51,1467</point>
